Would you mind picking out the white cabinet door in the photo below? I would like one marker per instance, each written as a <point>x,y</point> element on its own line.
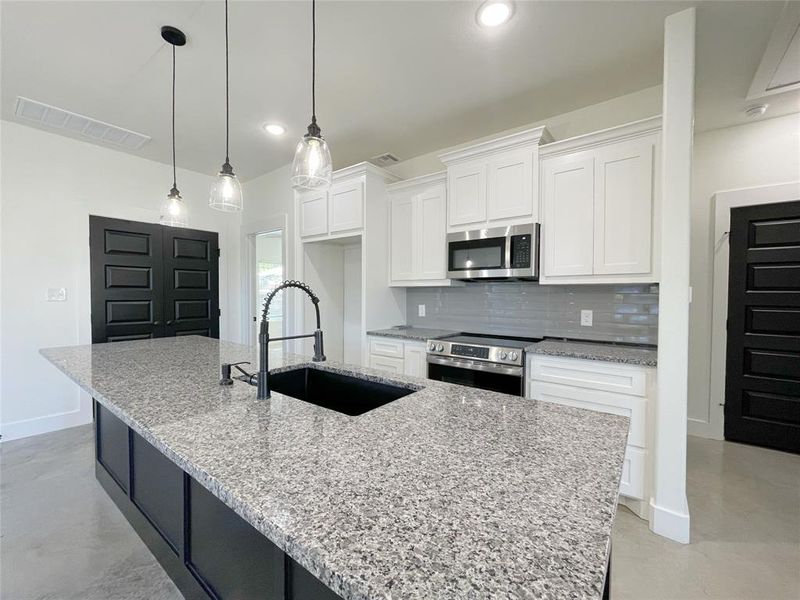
<point>467,189</point>
<point>568,215</point>
<point>623,208</point>
<point>415,361</point>
<point>346,206</point>
<point>313,214</point>
<point>510,185</point>
<point>402,238</point>
<point>430,242</point>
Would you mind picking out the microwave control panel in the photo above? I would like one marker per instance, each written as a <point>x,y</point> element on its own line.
<point>520,251</point>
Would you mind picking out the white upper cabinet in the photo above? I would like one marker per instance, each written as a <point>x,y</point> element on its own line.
<point>418,229</point>
<point>467,183</point>
<point>510,184</point>
<point>623,208</point>
<point>313,213</point>
<point>402,233</point>
<point>599,201</point>
<point>340,211</point>
<point>568,190</point>
<point>346,205</point>
<point>494,183</point>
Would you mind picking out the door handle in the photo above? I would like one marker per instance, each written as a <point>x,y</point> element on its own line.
<point>156,322</point>
<point>170,322</point>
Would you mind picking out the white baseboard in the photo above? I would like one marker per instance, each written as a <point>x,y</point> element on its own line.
<point>16,430</point>
<point>703,429</point>
<point>669,523</point>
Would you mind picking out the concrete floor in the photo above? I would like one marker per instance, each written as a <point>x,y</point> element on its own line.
<point>62,538</point>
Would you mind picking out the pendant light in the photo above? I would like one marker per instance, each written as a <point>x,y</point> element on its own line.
<point>226,193</point>
<point>173,209</point>
<point>312,168</point>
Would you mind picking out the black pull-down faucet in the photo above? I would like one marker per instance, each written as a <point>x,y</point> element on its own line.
<point>262,377</point>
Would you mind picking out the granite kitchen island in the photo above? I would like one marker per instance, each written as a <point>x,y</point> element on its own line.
<point>449,492</point>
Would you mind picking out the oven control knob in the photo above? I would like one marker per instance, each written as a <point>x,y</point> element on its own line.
<point>439,347</point>
<point>432,347</point>
<point>513,356</point>
<point>503,355</point>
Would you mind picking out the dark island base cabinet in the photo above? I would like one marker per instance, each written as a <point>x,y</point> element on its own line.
<point>205,547</point>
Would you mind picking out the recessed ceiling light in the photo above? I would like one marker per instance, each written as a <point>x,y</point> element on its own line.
<point>274,129</point>
<point>495,12</point>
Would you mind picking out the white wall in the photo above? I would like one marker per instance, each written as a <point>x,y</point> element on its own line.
<point>617,111</point>
<point>50,186</point>
<point>760,153</point>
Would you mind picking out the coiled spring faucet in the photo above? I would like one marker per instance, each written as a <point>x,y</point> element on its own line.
<point>261,379</point>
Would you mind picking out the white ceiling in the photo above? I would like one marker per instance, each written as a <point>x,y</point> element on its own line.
<point>405,77</point>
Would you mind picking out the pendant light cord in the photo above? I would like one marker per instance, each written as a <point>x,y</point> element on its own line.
<point>313,61</point>
<point>227,92</point>
<point>174,170</point>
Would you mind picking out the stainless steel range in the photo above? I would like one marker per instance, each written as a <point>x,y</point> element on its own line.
<point>481,361</point>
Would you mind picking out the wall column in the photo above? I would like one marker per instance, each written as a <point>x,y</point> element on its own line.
<point>669,510</point>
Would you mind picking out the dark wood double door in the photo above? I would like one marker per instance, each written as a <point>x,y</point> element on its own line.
<point>762,383</point>
<point>152,281</point>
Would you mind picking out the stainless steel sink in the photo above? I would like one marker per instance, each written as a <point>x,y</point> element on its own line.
<point>336,391</point>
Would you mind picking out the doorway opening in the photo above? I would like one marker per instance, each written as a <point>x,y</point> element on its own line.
<point>269,271</point>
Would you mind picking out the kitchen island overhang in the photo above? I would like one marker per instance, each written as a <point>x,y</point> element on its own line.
<point>447,492</point>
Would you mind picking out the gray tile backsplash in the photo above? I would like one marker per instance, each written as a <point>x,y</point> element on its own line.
<point>622,313</point>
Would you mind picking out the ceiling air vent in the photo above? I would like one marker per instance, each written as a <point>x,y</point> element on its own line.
<point>384,160</point>
<point>58,118</point>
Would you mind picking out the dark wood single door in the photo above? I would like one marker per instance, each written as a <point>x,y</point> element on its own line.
<point>191,282</point>
<point>151,281</point>
<point>762,382</point>
<point>126,279</point>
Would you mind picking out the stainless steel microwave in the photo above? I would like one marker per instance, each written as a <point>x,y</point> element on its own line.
<point>497,253</point>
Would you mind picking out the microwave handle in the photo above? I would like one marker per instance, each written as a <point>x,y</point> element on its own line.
<point>507,257</point>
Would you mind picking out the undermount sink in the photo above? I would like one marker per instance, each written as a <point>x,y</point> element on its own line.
<point>335,391</point>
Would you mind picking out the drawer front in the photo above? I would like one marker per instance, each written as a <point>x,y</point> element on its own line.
<point>385,363</point>
<point>386,347</point>
<point>592,374</point>
<point>633,473</point>
<point>633,407</point>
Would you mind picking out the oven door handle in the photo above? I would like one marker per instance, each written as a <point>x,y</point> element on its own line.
<point>475,365</point>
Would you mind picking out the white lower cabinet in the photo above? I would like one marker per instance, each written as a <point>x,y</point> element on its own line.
<point>407,357</point>
<point>626,390</point>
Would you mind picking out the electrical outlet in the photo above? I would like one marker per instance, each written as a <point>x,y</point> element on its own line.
<point>56,294</point>
<point>421,310</point>
<point>586,318</point>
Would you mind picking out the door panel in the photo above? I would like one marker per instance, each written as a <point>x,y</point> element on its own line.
<point>191,282</point>
<point>467,185</point>
<point>403,247</point>
<point>762,380</point>
<point>126,279</point>
<point>346,206</point>
<point>313,214</point>
<point>623,208</point>
<point>431,242</point>
<point>510,182</point>
<point>568,229</point>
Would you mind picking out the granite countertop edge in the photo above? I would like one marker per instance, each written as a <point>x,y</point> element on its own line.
<point>420,334</point>
<point>644,356</point>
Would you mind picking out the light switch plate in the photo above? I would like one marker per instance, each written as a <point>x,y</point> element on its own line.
<point>586,318</point>
<point>56,294</point>
<point>421,310</point>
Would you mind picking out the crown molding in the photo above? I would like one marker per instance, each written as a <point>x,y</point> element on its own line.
<point>597,138</point>
<point>537,135</point>
<point>364,168</point>
<point>432,178</point>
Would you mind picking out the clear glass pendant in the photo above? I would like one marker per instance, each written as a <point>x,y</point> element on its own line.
<point>173,210</point>
<point>312,167</point>
<point>226,193</point>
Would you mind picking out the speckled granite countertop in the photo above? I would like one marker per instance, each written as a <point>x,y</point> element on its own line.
<point>412,333</point>
<point>450,492</point>
<point>631,355</point>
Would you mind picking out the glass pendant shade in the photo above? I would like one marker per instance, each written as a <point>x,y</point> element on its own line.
<point>312,167</point>
<point>226,193</point>
<point>173,210</point>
